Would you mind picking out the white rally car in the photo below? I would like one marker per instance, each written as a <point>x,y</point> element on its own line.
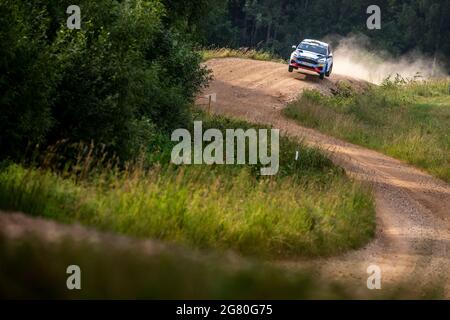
<point>312,55</point>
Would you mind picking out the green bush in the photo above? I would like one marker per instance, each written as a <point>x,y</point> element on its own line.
<point>27,77</point>
<point>123,79</point>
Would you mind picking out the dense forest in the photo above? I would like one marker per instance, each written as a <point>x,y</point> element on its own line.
<point>128,77</point>
<point>276,25</point>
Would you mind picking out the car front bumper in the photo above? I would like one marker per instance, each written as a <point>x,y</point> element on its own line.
<point>315,68</point>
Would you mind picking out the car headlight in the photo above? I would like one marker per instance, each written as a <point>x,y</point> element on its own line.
<point>322,60</point>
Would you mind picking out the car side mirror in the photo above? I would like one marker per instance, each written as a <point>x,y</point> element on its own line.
<point>294,47</point>
<point>330,55</point>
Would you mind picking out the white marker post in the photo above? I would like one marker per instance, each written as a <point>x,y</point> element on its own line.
<point>211,98</point>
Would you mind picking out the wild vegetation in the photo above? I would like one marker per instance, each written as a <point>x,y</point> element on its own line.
<point>124,79</point>
<point>409,120</point>
<point>310,208</point>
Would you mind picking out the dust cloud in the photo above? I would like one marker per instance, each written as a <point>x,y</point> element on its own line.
<point>352,58</point>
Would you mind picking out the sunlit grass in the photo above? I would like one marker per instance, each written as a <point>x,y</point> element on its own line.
<point>310,208</point>
<point>409,120</point>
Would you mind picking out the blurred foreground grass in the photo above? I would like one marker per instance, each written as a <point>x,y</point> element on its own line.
<point>37,270</point>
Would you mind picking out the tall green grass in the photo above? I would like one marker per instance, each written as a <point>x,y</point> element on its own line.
<point>409,120</point>
<point>310,208</point>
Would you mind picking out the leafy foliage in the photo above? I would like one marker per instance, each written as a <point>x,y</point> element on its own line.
<point>123,79</point>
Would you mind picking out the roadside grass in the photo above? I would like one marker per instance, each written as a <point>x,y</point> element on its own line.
<point>310,208</point>
<point>217,53</point>
<point>31,269</point>
<point>408,120</point>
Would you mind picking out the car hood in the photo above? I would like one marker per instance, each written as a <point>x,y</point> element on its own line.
<point>309,55</point>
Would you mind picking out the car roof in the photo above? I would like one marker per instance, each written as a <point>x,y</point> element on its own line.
<point>315,42</point>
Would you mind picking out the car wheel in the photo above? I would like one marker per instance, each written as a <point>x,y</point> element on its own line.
<point>329,71</point>
<point>291,69</point>
<point>322,76</point>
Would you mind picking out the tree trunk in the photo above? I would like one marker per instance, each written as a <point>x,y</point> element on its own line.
<point>269,30</point>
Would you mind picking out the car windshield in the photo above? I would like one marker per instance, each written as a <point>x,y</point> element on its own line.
<point>313,48</point>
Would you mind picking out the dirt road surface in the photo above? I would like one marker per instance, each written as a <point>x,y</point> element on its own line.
<point>412,243</point>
